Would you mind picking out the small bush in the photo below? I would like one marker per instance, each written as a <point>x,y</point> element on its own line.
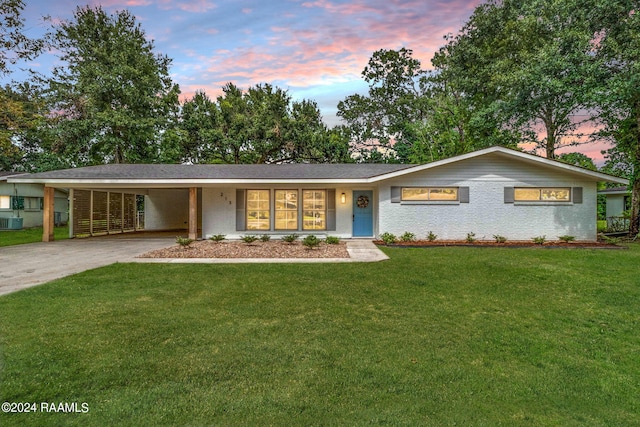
<point>332,240</point>
<point>217,237</point>
<point>290,238</point>
<point>611,240</point>
<point>499,238</point>
<point>539,240</point>
<point>184,241</point>
<point>311,241</point>
<point>408,237</point>
<point>567,238</point>
<point>249,239</point>
<point>471,237</point>
<point>265,238</point>
<point>388,238</point>
<point>432,236</point>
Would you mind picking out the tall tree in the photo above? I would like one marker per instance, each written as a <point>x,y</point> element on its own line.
<point>14,44</point>
<point>113,95</point>
<point>525,64</point>
<point>615,26</point>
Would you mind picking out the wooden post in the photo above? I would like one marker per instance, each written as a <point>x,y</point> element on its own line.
<point>48,214</point>
<point>193,213</point>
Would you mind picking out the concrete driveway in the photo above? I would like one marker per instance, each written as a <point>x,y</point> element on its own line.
<point>23,266</point>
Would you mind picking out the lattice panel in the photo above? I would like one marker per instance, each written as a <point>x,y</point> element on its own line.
<point>115,212</point>
<point>129,223</point>
<point>100,206</point>
<point>81,213</point>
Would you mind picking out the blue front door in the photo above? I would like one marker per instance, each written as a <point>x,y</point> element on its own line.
<point>363,214</point>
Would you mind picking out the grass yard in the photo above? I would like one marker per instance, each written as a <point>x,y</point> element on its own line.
<point>438,336</point>
<point>30,235</point>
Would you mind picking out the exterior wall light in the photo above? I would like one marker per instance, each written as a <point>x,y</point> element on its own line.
<point>343,198</point>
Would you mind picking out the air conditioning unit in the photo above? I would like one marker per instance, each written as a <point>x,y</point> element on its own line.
<point>11,223</point>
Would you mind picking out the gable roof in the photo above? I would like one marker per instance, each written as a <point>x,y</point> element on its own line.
<point>184,175</point>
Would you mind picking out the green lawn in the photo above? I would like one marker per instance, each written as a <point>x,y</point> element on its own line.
<point>30,235</point>
<point>439,336</point>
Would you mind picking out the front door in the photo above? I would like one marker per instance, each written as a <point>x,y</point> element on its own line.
<point>363,213</point>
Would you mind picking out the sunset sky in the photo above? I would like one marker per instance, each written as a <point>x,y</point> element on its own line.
<point>314,48</point>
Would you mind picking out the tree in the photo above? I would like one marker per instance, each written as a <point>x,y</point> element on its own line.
<point>14,44</point>
<point>524,64</point>
<point>615,27</point>
<point>113,95</point>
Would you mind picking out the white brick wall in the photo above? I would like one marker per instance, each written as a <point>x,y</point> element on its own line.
<point>486,214</point>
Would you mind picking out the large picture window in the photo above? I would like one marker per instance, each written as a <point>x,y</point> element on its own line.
<point>542,194</point>
<point>258,211</point>
<point>429,194</point>
<point>286,210</point>
<point>314,204</point>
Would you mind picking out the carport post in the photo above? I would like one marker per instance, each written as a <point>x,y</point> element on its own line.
<point>47,215</point>
<point>193,213</point>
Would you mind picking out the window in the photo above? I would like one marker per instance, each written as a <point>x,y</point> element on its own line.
<point>33,203</point>
<point>314,204</point>
<point>5,202</point>
<point>429,194</point>
<point>258,210</point>
<point>542,194</point>
<point>286,209</point>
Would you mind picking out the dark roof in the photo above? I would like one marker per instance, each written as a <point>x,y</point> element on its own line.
<point>612,190</point>
<point>281,171</point>
<point>4,175</point>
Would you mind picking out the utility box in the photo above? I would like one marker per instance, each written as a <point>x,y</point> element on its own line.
<point>11,223</point>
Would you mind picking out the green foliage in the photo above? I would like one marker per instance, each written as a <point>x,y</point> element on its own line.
<point>408,237</point>
<point>388,238</point>
<point>290,238</point>
<point>30,235</point>
<point>539,240</point>
<point>332,240</point>
<point>217,237</point>
<point>311,241</point>
<point>265,238</point>
<point>471,237</point>
<point>185,242</point>
<point>611,240</point>
<point>16,46</point>
<point>567,238</point>
<point>111,94</point>
<point>499,239</point>
<point>431,236</point>
<point>249,238</point>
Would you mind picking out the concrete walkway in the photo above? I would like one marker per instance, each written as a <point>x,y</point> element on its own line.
<point>24,266</point>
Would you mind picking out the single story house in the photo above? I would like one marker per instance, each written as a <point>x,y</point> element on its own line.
<point>21,205</point>
<point>494,191</point>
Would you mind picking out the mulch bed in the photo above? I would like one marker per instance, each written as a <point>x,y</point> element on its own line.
<point>507,244</point>
<point>237,249</point>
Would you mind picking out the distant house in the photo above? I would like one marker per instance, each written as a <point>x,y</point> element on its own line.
<point>21,204</point>
<point>495,191</point>
<point>618,202</point>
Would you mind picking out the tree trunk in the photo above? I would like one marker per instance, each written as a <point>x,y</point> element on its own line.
<point>634,227</point>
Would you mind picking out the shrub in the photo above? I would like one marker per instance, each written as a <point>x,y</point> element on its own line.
<point>183,241</point>
<point>249,239</point>
<point>408,237</point>
<point>539,240</point>
<point>311,241</point>
<point>499,238</point>
<point>611,240</point>
<point>265,237</point>
<point>567,238</point>
<point>471,237</point>
<point>217,237</point>
<point>388,238</point>
<point>431,236</point>
<point>332,240</point>
<point>290,238</point>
